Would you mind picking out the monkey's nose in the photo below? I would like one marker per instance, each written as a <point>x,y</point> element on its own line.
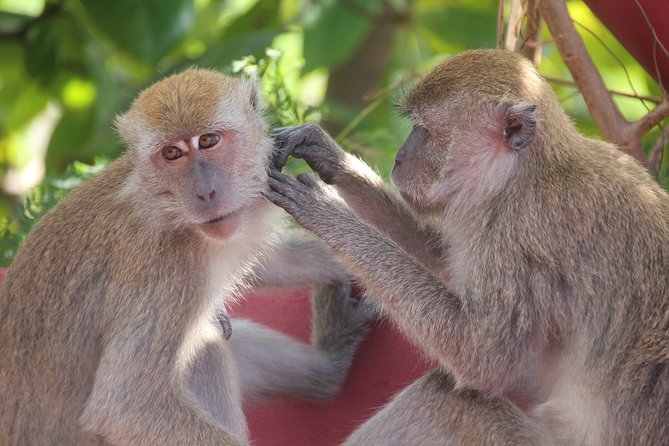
<point>206,196</point>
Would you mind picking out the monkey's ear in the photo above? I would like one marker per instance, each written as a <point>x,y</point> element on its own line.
<point>254,96</point>
<point>519,123</point>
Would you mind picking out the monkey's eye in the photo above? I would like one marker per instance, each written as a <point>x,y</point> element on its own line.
<point>208,140</point>
<point>171,153</point>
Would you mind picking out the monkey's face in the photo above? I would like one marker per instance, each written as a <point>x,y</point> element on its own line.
<point>415,171</point>
<point>459,154</point>
<point>212,179</point>
<point>201,149</point>
<point>474,116</point>
<point>421,163</point>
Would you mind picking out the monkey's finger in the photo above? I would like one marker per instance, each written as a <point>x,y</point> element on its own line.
<point>284,184</point>
<point>282,177</point>
<point>307,152</point>
<point>279,159</point>
<point>307,179</point>
<point>278,199</point>
<point>280,154</point>
<point>283,138</point>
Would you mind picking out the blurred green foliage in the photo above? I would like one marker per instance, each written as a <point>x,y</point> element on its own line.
<point>68,66</point>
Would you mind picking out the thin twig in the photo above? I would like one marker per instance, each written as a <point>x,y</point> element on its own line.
<point>500,23</point>
<point>657,152</point>
<point>610,121</point>
<point>651,28</point>
<point>652,118</point>
<point>557,80</point>
<point>390,88</point>
<point>658,73</point>
<point>615,56</point>
<point>516,14</point>
<point>531,47</point>
<point>656,42</point>
<point>360,116</point>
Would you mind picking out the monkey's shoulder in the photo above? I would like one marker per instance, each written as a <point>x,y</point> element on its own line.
<point>85,225</point>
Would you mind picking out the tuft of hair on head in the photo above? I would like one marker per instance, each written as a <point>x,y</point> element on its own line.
<point>183,104</point>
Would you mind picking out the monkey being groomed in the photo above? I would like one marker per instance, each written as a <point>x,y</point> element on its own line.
<point>530,261</point>
<point>108,315</point>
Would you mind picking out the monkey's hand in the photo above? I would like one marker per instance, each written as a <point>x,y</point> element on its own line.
<point>312,204</point>
<point>339,321</point>
<point>311,143</point>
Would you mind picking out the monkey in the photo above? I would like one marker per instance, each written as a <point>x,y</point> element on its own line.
<point>108,314</point>
<point>528,260</point>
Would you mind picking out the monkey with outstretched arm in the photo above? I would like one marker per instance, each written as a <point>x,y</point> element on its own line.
<point>108,314</point>
<point>529,260</point>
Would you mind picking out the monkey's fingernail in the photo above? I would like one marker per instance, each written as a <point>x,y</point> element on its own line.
<point>224,320</point>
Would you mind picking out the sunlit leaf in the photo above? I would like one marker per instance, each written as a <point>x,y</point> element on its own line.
<point>12,23</point>
<point>146,29</point>
<point>335,32</point>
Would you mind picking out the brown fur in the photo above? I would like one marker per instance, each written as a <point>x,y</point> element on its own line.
<point>537,266</point>
<point>108,328</point>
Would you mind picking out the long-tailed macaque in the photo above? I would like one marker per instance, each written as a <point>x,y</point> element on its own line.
<point>108,315</point>
<point>530,261</point>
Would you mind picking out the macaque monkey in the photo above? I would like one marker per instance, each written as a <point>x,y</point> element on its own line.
<point>108,315</point>
<point>529,261</point>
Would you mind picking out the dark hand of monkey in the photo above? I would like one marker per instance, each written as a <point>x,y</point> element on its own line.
<point>311,143</point>
<point>307,200</point>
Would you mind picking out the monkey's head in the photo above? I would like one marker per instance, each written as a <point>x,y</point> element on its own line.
<point>200,145</point>
<point>475,116</point>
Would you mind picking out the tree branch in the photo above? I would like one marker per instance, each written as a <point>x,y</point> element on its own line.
<point>656,153</point>
<point>559,81</point>
<point>531,47</point>
<point>515,22</point>
<point>608,118</point>
<point>500,23</point>
<point>653,118</point>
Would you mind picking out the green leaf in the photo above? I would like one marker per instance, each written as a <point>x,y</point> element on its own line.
<point>335,32</point>
<point>458,28</point>
<point>30,99</point>
<point>41,48</point>
<point>146,29</point>
<point>263,15</point>
<point>224,53</point>
<point>11,23</point>
<point>72,132</point>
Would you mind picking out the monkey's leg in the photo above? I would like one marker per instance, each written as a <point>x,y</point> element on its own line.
<point>430,412</point>
<point>299,258</point>
<point>271,363</point>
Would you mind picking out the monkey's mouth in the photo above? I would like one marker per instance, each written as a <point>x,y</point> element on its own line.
<point>220,218</point>
<point>223,226</point>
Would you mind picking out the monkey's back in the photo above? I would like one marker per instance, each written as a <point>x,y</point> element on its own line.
<point>54,307</point>
<point>604,238</point>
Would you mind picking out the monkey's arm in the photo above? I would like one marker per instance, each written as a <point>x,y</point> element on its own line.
<point>299,258</point>
<point>361,188</point>
<point>469,337</point>
<point>271,363</point>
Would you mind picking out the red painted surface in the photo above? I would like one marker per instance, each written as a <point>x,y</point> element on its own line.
<point>385,364</point>
<point>626,21</point>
